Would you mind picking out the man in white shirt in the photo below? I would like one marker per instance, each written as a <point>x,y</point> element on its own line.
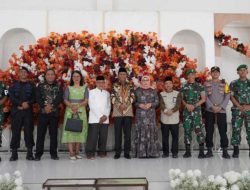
<point>99,104</point>
<point>170,102</point>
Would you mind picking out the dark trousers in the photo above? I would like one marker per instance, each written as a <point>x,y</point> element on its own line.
<point>46,121</point>
<point>18,120</point>
<point>174,129</point>
<point>97,133</point>
<point>222,127</point>
<point>122,124</point>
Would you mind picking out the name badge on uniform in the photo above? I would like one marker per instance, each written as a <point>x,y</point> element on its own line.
<point>174,99</point>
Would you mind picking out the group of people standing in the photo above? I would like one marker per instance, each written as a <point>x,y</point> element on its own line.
<point>123,99</point>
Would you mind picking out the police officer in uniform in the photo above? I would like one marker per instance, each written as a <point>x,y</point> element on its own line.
<point>193,96</point>
<point>22,98</point>
<point>240,97</point>
<point>217,93</point>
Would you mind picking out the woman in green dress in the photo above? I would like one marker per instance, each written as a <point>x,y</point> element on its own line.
<point>75,99</point>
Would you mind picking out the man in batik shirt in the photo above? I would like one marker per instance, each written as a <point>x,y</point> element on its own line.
<point>49,95</point>
<point>122,98</point>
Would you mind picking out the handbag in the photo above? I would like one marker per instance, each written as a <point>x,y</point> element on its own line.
<point>74,124</point>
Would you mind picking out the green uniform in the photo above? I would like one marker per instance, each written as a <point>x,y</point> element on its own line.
<point>240,90</point>
<point>191,94</point>
<point>3,93</point>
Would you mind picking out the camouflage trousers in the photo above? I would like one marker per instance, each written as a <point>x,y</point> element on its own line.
<point>238,119</point>
<point>192,121</point>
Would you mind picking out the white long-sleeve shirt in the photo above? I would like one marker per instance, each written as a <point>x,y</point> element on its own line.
<point>99,104</point>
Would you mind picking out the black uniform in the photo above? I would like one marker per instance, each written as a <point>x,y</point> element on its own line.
<point>22,92</point>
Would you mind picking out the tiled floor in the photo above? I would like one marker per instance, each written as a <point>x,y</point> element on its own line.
<point>155,170</point>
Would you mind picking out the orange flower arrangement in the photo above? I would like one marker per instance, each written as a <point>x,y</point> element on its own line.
<point>101,54</point>
<point>226,40</point>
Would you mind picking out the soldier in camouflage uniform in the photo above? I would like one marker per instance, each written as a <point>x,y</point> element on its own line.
<point>3,97</point>
<point>240,96</point>
<point>193,95</point>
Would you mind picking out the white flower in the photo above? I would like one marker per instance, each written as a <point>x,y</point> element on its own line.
<point>18,182</point>
<point>41,78</point>
<point>77,44</point>
<point>182,64</point>
<point>78,66</point>
<point>195,183</point>
<point>47,62</point>
<point>190,173</point>
<point>245,175</point>
<point>84,73</point>
<point>197,173</point>
<point>117,67</point>
<point>223,182</point>
<point>153,59</point>
<point>218,180</point>
<point>137,84</point>
<point>182,175</point>
<point>111,72</point>
<point>177,171</point>
<point>89,54</point>
<point>126,61</point>
<point>67,76</point>
<point>12,72</point>
<point>51,54</point>
<point>173,184</point>
<point>183,81</point>
<point>17,173</point>
<point>178,72</point>
<point>107,49</point>
<point>235,187</point>
<point>146,49</point>
<point>86,63</point>
<point>152,67</point>
<point>171,172</point>
<point>231,177</point>
<point>177,181</point>
<point>147,60</point>
<point>102,68</point>
<point>211,178</point>
<point>7,176</point>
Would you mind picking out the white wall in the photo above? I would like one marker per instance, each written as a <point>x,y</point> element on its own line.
<point>10,43</point>
<point>19,28</point>
<point>201,23</point>
<point>33,21</point>
<point>193,44</point>
<point>222,6</point>
<point>217,6</point>
<point>230,59</point>
<point>75,21</point>
<point>132,20</point>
